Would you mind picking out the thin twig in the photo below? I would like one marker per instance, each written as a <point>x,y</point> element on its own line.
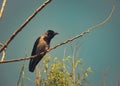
<point>21,75</point>
<point>2,8</point>
<point>67,41</point>
<point>24,24</point>
<point>87,31</point>
<point>4,52</point>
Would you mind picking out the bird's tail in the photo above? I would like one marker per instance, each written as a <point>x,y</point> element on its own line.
<point>33,63</point>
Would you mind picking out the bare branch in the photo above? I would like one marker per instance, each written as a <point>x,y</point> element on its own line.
<point>24,24</point>
<point>4,52</point>
<point>16,60</point>
<point>67,41</point>
<point>2,8</point>
<point>87,31</point>
<point>21,75</point>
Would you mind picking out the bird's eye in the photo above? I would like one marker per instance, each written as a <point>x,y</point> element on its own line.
<point>49,34</point>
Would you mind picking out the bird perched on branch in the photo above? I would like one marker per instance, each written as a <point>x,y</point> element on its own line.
<point>41,45</point>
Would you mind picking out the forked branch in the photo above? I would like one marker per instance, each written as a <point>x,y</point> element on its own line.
<point>3,53</point>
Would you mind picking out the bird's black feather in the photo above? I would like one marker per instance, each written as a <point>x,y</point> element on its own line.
<point>33,61</point>
<point>41,45</point>
<point>35,46</point>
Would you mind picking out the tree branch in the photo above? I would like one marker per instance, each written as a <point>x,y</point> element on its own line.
<point>67,41</point>
<point>24,24</point>
<point>87,31</point>
<point>2,8</point>
<point>4,52</point>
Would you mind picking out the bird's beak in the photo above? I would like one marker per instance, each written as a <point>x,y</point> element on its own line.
<point>56,33</point>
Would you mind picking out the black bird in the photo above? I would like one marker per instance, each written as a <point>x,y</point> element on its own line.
<point>42,44</point>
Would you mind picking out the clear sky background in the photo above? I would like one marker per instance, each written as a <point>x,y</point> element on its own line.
<point>100,49</point>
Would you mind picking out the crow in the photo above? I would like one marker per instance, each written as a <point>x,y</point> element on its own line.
<point>42,44</point>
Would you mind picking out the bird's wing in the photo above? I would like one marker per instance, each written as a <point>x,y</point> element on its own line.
<point>38,47</point>
<point>35,47</point>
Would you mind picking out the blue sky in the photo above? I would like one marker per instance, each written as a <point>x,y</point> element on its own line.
<point>99,49</point>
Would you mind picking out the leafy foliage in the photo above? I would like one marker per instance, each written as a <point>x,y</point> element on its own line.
<point>65,72</point>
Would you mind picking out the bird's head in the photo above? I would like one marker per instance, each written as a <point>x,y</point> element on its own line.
<point>50,34</point>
